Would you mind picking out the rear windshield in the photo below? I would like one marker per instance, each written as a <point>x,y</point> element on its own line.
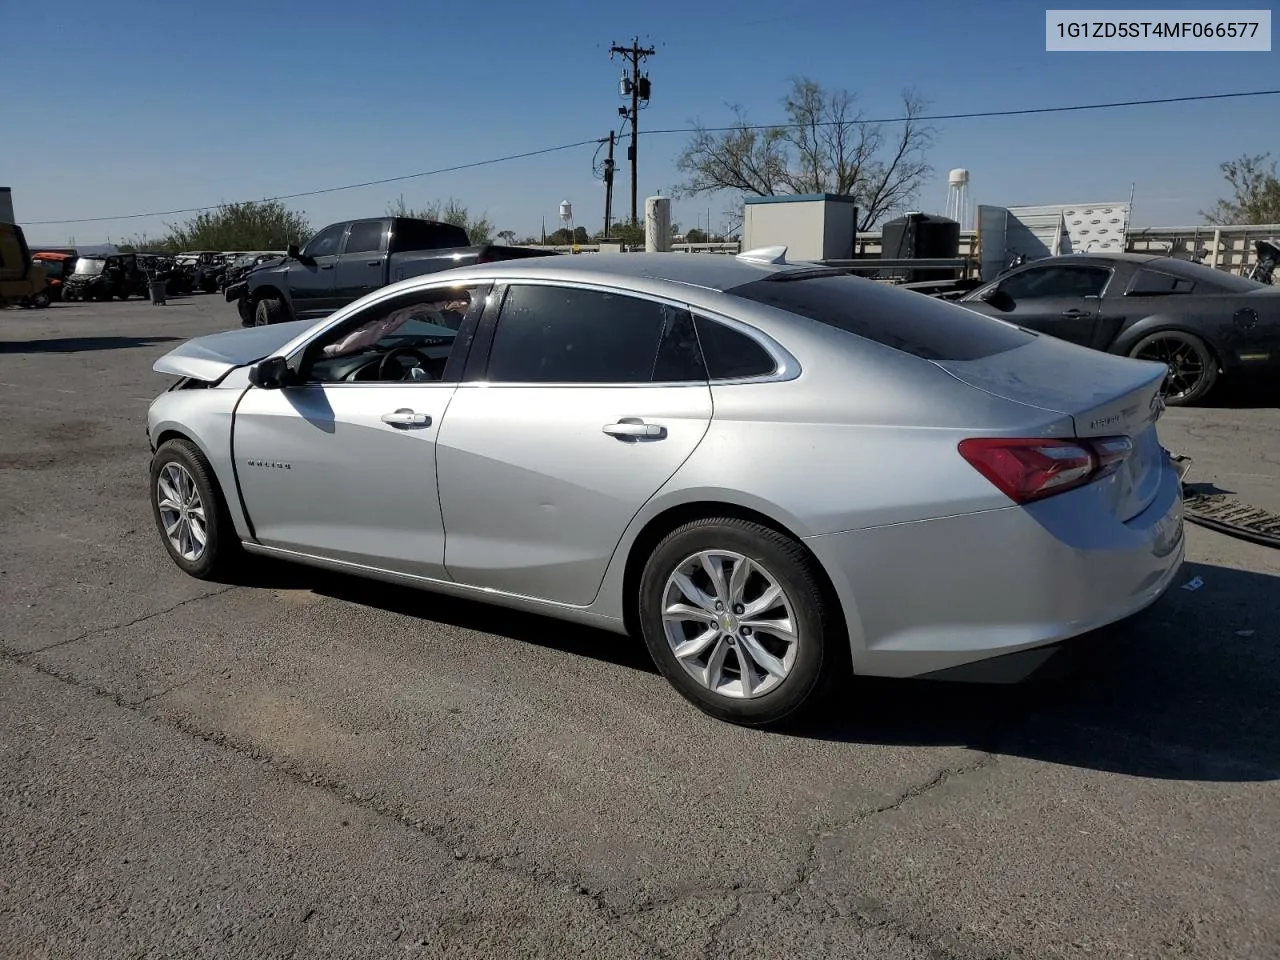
<point>911,322</point>
<point>1206,278</point>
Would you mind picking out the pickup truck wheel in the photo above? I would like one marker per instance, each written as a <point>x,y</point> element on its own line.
<point>246,312</point>
<point>268,311</point>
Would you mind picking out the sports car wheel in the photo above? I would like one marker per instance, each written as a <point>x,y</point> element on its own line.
<point>736,620</point>
<point>1192,367</point>
<point>189,511</point>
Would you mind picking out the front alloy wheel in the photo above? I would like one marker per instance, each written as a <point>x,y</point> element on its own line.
<point>189,513</point>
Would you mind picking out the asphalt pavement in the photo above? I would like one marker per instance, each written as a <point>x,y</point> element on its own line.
<point>317,766</point>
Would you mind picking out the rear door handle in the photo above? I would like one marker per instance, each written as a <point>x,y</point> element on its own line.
<point>407,418</point>
<point>631,428</point>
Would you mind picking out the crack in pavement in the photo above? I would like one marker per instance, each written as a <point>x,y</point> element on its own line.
<point>102,631</point>
<point>497,862</point>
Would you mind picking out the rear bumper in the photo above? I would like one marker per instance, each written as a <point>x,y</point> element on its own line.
<point>928,598</point>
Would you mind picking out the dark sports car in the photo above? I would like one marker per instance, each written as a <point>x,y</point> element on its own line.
<point>1202,322</point>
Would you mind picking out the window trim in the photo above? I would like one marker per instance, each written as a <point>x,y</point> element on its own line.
<point>455,366</point>
<point>786,367</point>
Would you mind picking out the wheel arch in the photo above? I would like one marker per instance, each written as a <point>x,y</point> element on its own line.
<point>666,519</point>
<point>218,467</point>
<point>1158,323</point>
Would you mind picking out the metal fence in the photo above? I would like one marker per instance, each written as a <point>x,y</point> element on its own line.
<point>1227,248</point>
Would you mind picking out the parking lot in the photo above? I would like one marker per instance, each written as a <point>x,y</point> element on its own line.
<point>321,766</point>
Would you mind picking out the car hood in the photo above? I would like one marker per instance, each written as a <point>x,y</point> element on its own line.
<point>210,358</point>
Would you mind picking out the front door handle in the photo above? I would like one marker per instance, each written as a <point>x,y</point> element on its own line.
<point>327,266</point>
<point>375,263</point>
<point>1073,313</point>
<point>632,428</point>
<point>407,418</point>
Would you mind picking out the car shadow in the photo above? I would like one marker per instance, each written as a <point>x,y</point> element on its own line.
<point>81,344</point>
<point>1242,396</point>
<point>1185,691</point>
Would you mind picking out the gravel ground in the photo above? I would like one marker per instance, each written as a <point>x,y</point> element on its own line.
<point>318,766</point>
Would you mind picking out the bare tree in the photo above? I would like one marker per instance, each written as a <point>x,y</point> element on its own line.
<point>1255,193</point>
<point>827,146</point>
<point>479,229</point>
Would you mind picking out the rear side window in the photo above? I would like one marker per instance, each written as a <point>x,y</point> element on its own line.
<point>552,334</point>
<point>365,237</point>
<point>731,355</point>
<point>910,322</point>
<point>1150,283</point>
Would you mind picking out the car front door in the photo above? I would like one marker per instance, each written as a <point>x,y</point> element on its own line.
<point>341,462</point>
<point>362,267</point>
<point>588,402</point>
<point>311,277</point>
<point>1062,300</point>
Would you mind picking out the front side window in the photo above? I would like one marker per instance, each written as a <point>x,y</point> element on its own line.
<point>408,338</point>
<point>325,243</point>
<point>553,334</point>
<point>1042,283</point>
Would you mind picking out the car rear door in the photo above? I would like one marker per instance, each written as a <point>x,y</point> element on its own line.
<point>1060,299</point>
<point>362,266</point>
<point>581,405</point>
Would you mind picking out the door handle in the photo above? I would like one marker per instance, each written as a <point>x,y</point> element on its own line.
<point>631,428</point>
<point>1075,313</point>
<point>407,418</point>
<point>375,263</point>
<point>327,266</point>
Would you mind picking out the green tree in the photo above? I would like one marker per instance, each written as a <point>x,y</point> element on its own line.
<point>1255,192</point>
<point>696,236</point>
<point>479,229</point>
<point>253,225</point>
<point>826,147</point>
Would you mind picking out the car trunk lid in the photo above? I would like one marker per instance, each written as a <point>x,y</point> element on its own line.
<point>1103,394</point>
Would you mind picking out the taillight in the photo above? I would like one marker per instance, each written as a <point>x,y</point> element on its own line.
<point>1032,469</point>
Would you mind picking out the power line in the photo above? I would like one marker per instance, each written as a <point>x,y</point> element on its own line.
<point>971,116</point>
<point>671,130</point>
<point>348,186</point>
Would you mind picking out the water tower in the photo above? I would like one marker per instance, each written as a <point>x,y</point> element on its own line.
<point>958,197</point>
<point>566,217</point>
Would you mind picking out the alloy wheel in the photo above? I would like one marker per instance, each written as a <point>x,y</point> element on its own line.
<point>1185,365</point>
<point>730,624</point>
<point>182,512</point>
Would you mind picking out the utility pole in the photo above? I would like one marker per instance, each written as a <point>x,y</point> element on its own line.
<point>638,88</point>
<point>608,187</point>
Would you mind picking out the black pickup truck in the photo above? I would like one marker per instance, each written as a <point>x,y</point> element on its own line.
<point>347,260</point>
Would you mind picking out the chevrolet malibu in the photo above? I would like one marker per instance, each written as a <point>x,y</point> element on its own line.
<point>778,475</point>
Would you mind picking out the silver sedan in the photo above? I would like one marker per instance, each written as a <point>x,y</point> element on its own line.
<point>778,475</point>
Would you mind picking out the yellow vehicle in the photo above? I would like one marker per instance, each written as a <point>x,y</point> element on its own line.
<point>22,281</point>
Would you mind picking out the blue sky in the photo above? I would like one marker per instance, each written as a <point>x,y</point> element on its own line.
<point>157,107</point>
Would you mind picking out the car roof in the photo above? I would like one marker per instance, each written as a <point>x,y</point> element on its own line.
<point>710,271</point>
<point>1115,256</point>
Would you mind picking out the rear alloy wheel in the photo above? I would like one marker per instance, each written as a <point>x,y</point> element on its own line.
<point>1191,364</point>
<point>734,617</point>
<point>189,512</point>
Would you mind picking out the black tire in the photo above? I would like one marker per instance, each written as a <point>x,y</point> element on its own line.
<point>268,311</point>
<point>222,546</point>
<point>245,311</point>
<point>1193,369</point>
<point>819,646</point>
